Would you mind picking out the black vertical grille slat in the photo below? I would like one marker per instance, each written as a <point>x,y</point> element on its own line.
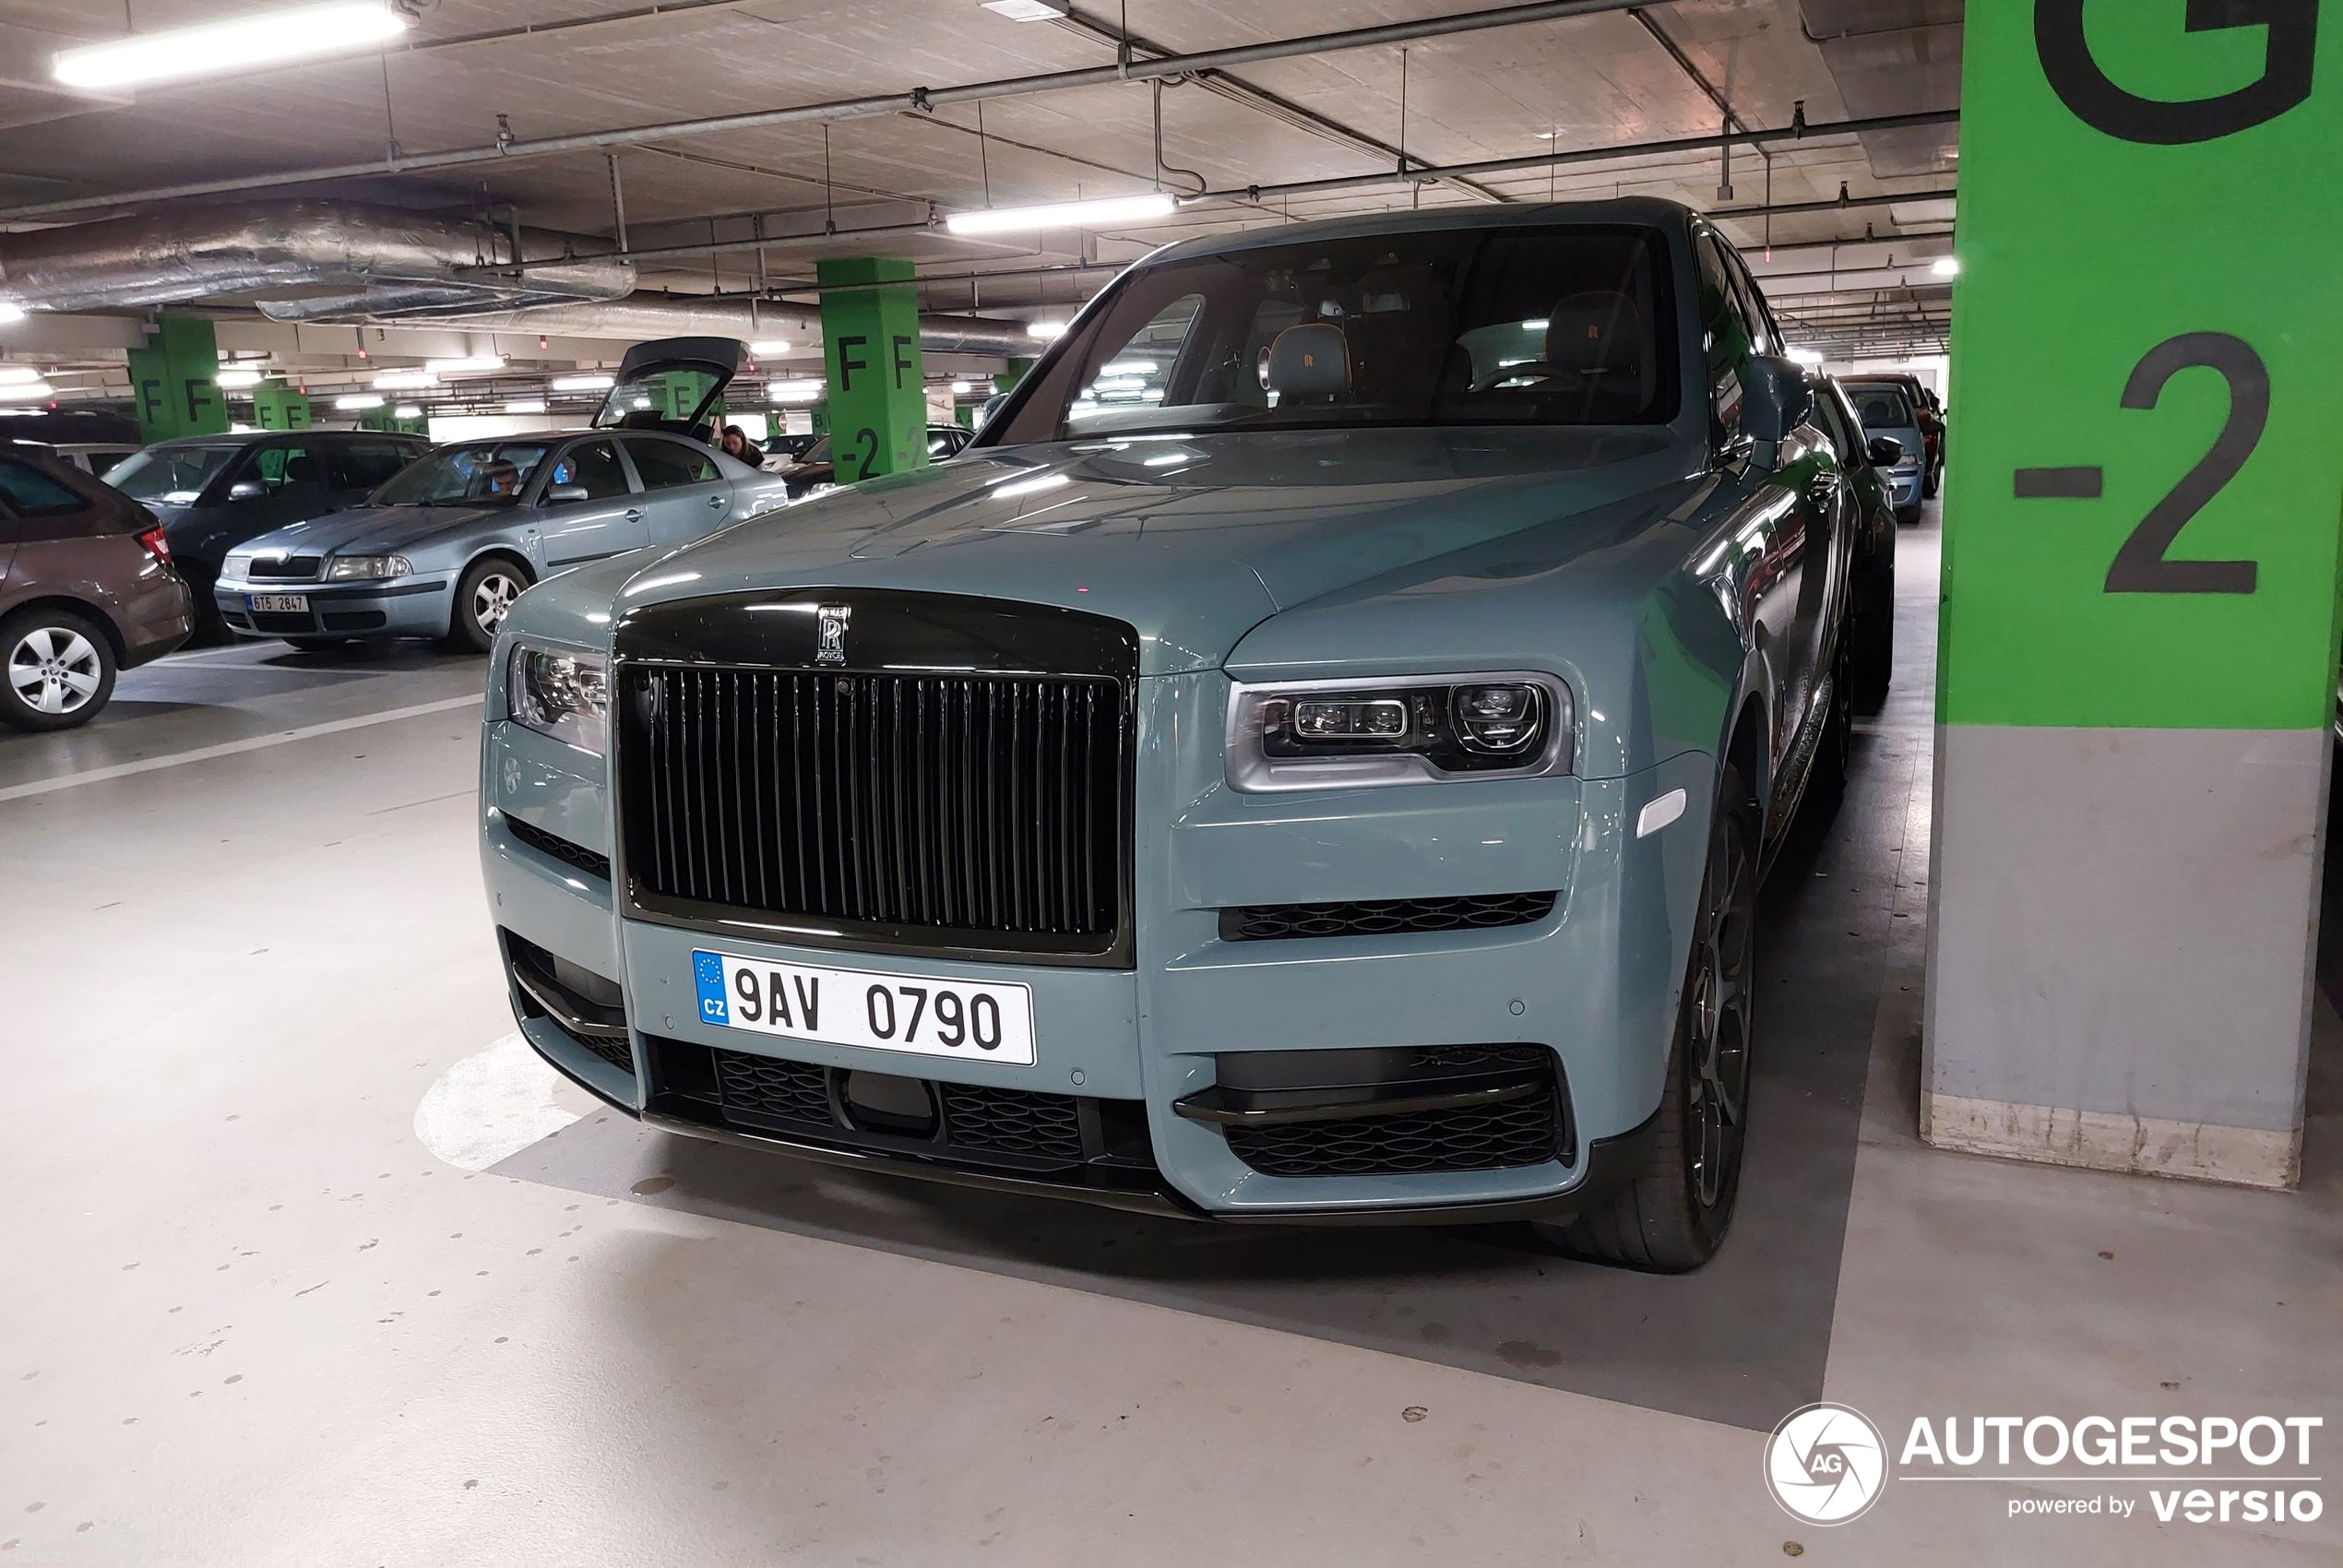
<point>977,805</point>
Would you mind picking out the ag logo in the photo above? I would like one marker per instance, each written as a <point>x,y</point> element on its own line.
<point>832,619</point>
<point>1825,1464</point>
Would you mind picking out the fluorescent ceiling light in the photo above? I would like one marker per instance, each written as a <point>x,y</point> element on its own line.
<point>236,378</point>
<point>10,311</point>
<point>407,412</point>
<point>1045,330</point>
<point>592,381</point>
<point>468,366</point>
<point>357,400</point>
<point>1028,10</point>
<point>1145,208</point>
<point>962,388</point>
<point>1946,267</point>
<point>238,44</point>
<point>18,374</point>
<point>404,380</point>
<point>769,346</point>
<point>26,391</point>
<point>525,406</point>
<point>1805,356</point>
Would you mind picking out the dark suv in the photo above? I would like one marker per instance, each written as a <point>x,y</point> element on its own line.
<point>86,588</point>
<point>215,491</point>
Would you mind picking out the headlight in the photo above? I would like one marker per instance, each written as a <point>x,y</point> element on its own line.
<point>565,696</point>
<point>1327,734</point>
<point>342,567</point>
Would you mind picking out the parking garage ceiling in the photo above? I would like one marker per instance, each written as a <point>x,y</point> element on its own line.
<point>1845,225</point>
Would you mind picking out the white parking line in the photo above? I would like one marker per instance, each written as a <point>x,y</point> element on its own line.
<point>230,748</point>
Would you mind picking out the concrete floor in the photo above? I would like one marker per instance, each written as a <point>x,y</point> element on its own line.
<point>310,1265</point>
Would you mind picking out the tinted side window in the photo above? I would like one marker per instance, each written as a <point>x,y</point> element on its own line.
<point>1726,334</point>
<point>363,465</point>
<point>664,464</point>
<point>29,492</point>
<point>593,465</point>
<point>1833,421</point>
<point>282,469</point>
<point>1763,332</point>
<point>100,461</point>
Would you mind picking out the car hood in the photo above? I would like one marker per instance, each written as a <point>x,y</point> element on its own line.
<point>375,531</point>
<point>1194,541</point>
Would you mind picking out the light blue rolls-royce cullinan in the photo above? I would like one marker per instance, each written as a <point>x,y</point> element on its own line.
<point>1310,760</point>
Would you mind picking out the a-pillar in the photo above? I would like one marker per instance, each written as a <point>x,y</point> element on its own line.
<point>870,350</point>
<point>171,380</point>
<point>2140,577</point>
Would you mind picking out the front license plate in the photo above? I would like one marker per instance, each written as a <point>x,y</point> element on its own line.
<point>294,603</point>
<point>918,1014</point>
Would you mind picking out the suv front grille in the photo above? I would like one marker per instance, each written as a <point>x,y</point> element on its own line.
<point>967,1124</point>
<point>974,811</point>
<point>1268,922</point>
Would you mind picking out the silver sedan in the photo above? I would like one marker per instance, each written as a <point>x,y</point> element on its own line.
<point>443,548</point>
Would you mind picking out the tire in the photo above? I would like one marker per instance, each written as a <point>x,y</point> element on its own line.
<point>1874,658</point>
<point>1674,1214</point>
<point>483,594</point>
<point>1928,481</point>
<point>1907,516</point>
<point>56,669</point>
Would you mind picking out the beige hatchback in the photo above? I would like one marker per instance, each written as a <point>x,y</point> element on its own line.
<point>86,590</point>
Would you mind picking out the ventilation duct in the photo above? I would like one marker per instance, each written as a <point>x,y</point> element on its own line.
<point>297,261</point>
<point>317,261</point>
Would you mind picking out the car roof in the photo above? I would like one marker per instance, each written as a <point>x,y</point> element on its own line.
<point>254,437</point>
<point>1628,211</point>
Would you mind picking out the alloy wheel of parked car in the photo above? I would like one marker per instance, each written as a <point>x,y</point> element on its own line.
<point>60,670</point>
<point>482,599</point>
<point>1674,1214</point>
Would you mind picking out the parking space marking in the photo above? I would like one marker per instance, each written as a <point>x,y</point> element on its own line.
<point>230,748</point>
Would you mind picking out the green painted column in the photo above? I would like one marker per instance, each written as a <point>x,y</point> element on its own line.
<point>870,349</point>
<point>276,406</point>
<point>2141,534</point>
<point>171,380</point>
<point>390,423</point>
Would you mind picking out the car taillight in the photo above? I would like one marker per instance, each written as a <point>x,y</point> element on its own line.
<point>156,545</point>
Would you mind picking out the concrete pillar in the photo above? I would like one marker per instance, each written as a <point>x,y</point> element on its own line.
<point>870,349</point>
<point>2140,578</point>
<point>276,406</point>
<point>171,380</point>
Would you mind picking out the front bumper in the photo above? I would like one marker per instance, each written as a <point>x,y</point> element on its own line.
<point>1904,486</point>
<point>397,607</point>
<point>1594,981</point>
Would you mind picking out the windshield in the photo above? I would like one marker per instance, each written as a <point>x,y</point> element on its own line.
<point>1882,407</point>
<point>1568,325</point>
<point>172,475</point>
<point>817,453</point>
<point>487,473</point>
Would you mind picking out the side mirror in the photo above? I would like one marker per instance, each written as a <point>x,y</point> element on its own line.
<point>566,493</point>
<point>246,489</point>
<point>1884,451</point>
<point>1775,399</point>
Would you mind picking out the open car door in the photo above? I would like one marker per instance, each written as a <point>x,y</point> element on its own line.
<point>672,384</point>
